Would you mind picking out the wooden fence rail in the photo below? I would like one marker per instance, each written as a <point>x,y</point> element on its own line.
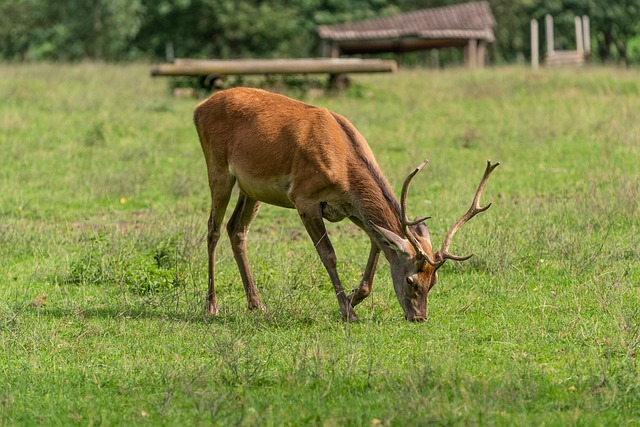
<point>195,67</point>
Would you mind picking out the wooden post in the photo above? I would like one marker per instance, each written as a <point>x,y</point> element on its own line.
<point>586,35</point>
<point>435,58</point>
<point>471,53</point>
<point>482,53</point>
<point>535,54</point>
<point>169,52</point>
<point>323,48</point>
<point>329,49</point>
<point>335,50</point>
<point>549,29</point>
<point>579,39</point>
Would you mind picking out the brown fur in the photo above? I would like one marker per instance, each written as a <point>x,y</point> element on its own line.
<point>322,152</point>
<point>287,153</point>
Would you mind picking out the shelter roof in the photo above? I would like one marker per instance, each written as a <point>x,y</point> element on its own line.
<point>463,21</point>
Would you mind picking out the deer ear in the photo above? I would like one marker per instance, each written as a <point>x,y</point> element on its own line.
<point>391,240</point>
<point>422,231</point>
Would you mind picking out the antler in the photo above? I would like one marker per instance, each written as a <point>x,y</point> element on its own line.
<point>421,254</point>
<point>443,254</point>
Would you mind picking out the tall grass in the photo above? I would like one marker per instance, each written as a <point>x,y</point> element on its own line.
<point>103,208</point>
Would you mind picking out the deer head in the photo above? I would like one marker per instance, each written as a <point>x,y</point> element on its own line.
<point>414,265</point>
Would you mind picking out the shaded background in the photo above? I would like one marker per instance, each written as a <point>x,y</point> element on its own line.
<point>122,30</point>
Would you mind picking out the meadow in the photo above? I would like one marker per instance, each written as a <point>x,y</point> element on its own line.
<point>103,211</point>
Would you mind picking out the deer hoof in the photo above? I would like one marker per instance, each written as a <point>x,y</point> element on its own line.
<point>260,306</point>
<point>351,316</point>
<point>212,309</point>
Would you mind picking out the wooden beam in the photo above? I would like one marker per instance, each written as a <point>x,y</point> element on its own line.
<point>396,45</point>
<point>193,67</point>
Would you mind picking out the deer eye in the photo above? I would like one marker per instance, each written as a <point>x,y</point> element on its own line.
<point>410,281</point>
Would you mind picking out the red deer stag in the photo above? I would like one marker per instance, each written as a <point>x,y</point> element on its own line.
<point>290,154</point>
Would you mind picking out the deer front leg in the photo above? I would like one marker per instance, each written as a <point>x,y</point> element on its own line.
<point>238,228</point>
<point>363,291</point>
<point>312,218</point>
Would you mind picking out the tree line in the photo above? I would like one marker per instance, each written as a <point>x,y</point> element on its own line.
<point>120,30</point>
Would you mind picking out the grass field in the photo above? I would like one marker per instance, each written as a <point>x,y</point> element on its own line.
<point>103,209</point>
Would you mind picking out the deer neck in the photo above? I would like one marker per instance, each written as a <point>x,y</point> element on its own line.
<point>371,199</point>
<point>377,205</point>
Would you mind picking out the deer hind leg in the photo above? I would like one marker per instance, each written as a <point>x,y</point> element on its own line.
<point>312,218</point>
<point>238,228</point>
<point>363,291</point>
<point>220,193</point>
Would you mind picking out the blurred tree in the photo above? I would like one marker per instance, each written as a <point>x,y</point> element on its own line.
<point>511,30</point>
<point>255,28</point>
<point>69,29</point>
<point>616,22</point>
<point>17,17</point>
<point>184,23</point>
<point>122,29</point>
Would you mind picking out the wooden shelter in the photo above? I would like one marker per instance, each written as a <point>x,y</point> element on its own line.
<point>468,26</point>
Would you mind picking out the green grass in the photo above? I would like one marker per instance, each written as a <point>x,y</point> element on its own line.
<point>103,209</point>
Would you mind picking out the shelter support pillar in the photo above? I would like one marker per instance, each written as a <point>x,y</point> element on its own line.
<point>329,49</point>
<point>475,53</point>
<point>482,53</point>
<point>471,53</point>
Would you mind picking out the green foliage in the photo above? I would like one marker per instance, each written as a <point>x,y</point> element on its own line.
<point>91,267</point>
<point>68,30</point>
<point>124,29</point>
<point>143,271</point>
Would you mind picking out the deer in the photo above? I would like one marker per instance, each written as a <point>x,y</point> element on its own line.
<point>287,153</point>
